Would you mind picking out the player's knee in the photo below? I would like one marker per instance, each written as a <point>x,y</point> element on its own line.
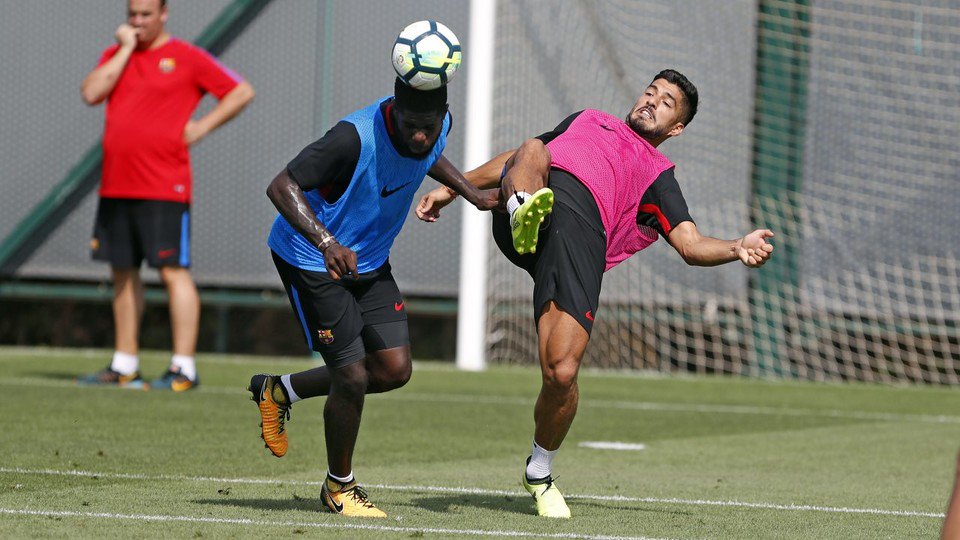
<point>396,374</point>
<point>351,380</point>
<point>401,375</point>
<point>175,276</point>
<point>561,373</point>
<point>534,152</point>
<point>533,145</point>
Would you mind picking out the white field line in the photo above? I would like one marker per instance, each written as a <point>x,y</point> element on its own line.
<point>348,526</point>
<point>612,445</point>
<point>477,491</point>
<point>705,408</point>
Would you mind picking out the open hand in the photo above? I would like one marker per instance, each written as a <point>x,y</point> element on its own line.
<point>430,205</point>
<point>753,249</point>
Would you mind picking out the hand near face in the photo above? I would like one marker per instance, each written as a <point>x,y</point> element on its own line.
<point>126,35</point>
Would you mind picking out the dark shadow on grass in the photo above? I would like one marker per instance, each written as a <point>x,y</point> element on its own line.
<point>620,507</point>
<point>56,376</point>
<point>294,503</point>
<point>451,504</point>
<point>446,504</point>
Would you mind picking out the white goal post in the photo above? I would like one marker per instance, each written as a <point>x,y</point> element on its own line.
<point>474,233</point>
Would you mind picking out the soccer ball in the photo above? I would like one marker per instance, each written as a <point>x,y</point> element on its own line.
<point>426,55</point>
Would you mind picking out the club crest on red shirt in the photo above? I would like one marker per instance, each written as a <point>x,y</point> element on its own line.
<point>167,65</point>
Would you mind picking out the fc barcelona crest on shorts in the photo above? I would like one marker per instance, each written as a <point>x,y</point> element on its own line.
<point>167,65</point>
<point>326,336</point>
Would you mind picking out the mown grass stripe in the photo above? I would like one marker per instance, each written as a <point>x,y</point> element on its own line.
<point>479,491</point>
<point>348,526</point>
<point>703,408</point>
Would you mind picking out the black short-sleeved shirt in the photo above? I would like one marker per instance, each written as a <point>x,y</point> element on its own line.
<point>662,206</point>
<point>328,163</point>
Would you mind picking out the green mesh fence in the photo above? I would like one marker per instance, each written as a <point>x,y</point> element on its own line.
<point>834,123</point>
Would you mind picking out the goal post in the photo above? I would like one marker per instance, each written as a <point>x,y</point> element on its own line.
<point>474,232</point>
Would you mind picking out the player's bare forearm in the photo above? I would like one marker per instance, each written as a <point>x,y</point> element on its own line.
<point>287,196</point>
<point>227,108</point>
<point>100,82</point>
<point>444,172</point>
<point>699,250</point>
<point>488,175</point>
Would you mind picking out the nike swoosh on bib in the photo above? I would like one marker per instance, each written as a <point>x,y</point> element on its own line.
<point>388,192</point>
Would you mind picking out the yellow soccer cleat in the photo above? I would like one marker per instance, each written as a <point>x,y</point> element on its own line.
<point>348,500</point>
<point>526,219</point>
<point>547,497</point>
<point>274,406</point>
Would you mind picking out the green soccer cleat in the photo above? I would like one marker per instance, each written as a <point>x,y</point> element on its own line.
<point>525,220</point>
<point>547,497</point>
<point>109,377</point>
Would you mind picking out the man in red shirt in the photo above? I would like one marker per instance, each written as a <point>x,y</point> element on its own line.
<point>152,83</point>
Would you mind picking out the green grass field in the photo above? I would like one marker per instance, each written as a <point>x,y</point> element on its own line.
<point>723,458</point>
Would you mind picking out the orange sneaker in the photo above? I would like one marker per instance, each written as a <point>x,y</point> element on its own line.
<point>271,398</point>
<point>348,500</point>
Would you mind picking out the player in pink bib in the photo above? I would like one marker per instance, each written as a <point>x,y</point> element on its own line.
<point>614,194</point>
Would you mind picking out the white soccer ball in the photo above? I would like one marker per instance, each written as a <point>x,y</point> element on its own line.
<point>426,55</point>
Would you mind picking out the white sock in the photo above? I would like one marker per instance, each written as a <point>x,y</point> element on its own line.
<point>516,200</point>
<point>345,480</point>
<point>187,365</point>
<point>541,462</point>
<point>124,364</point>
<point>285,379</point>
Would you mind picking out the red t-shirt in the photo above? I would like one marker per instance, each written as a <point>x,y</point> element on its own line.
<point>144,156</point>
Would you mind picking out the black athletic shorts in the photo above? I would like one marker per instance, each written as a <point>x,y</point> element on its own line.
<point>570,259</point>
<point>345,319</point>
<point>127,231</point>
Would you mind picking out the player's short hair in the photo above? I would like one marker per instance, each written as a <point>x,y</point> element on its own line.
<point>410,99</point>
<point>690,96</point>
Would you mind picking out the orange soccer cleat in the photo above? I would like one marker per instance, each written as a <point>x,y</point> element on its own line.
<point>271,398</point>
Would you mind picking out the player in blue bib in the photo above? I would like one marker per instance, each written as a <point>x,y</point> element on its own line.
<point>342,202</point>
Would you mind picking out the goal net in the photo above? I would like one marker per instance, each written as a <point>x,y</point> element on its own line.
<point>855,169</point>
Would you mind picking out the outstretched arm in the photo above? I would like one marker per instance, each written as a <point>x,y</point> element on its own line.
<point>288,197</point>
<point>488,175</point>
<point>698,250</point>
<point>444,172</point>
<point>530,162</point>
<point>483,177</point>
